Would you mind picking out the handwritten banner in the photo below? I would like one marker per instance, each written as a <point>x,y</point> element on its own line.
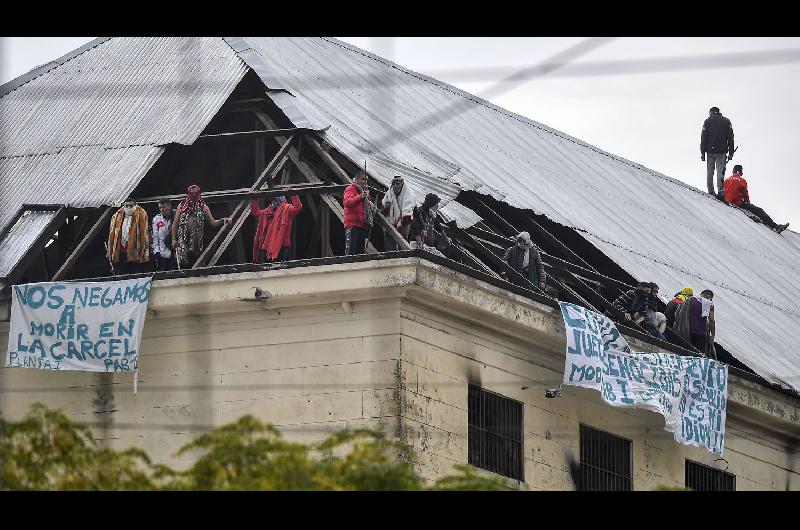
<point>690,392</point>
<point>95,327</point>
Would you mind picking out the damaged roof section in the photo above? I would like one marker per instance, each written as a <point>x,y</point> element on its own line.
<point>655,227</point>
<point>83,130</point>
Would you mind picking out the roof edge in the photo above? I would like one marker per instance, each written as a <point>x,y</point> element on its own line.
<point>43,69</point>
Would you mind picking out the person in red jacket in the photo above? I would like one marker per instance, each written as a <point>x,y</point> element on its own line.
<point>736,194</point>
<point>274,230</point>
<point>358,214</point>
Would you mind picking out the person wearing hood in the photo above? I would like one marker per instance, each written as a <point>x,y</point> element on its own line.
<point>424,225</point>
<point>129,239</point>
<point>672,305</point>
<point>524,257</point>
<point>187,229</point>
<point>633,304</point>
<point>694,321</point>
<point>273,237</point>
<point>399,201</point>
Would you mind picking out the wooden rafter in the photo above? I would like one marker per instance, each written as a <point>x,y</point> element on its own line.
<point>101,222</point>
<point>242,210</point>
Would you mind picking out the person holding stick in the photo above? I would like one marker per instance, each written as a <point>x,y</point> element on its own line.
<point>357,208</point>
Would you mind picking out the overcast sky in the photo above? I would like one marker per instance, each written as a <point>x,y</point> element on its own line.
<point>653,118</point>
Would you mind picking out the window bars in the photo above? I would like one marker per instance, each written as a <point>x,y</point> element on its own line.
<point>606,461</point>
<point>701,477</point>
<point>495,433</point>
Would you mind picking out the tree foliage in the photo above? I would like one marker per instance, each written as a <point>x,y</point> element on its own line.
<point>47,451</point>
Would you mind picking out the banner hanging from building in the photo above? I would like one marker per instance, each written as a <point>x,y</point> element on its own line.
<point>690,392</point>
<point>91,326</point>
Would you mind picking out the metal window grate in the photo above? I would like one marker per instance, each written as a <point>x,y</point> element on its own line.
<point>495,433</point>
<point>701,477</point>
<point>606,461</point>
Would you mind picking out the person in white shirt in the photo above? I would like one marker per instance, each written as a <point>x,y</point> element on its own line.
<point>163,254</point>
<point>398,203</point>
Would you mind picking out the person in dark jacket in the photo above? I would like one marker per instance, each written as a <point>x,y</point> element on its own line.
<point>524,257</point>
<point>633,303</point>
<point>656,322</point>
<point>424,225</point>
<point>716,140</point>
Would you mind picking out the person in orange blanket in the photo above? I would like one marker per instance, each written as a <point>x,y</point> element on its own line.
<point>274,229</point>
<point>736,194</point>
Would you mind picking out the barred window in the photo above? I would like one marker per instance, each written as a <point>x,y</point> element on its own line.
<point>495,433</point>
<point>701,477</point>
<point>606,461</point>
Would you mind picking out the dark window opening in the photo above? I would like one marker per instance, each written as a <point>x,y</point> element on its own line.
<point>606,461</point>
<point>701,477</point>
<point>495,433</point>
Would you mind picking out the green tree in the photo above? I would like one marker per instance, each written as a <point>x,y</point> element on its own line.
<point>47,451</point>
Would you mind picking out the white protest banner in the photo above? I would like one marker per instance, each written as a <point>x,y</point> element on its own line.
<point>92,326</point>
<point>690,392</point>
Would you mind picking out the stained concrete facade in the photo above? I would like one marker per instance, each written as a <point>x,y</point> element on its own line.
<point>389,344</point>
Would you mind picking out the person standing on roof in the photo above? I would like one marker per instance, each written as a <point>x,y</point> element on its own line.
<point>399,201</point>
<point>358,215</point>
<point>524,257</point>
<point>128,247</point>
<point>672,305</point>
<point>716,140</point>
<point>163,254</point>
<point>736,194</point>
<point>187,229</point>
<point>274,231</point>
<point>694,321</point>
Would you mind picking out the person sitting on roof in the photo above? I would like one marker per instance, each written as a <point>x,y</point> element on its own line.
<point>694,321</point>
<point>273,237</point>
<point>633,303</point>
<point>398,204</point>
<point>128,246</point>
<point>736,194</point>
<point>524,257</point>
<point>655,322</point>
<point>187,229</point>
<point>359,212</point>
<point>673,304</point>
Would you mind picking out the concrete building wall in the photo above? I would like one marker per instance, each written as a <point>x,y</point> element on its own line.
<point>391,345</point>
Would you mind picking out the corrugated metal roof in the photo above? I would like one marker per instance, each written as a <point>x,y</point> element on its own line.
<point>21,236</point>
<point>93,123</point>
<point>657,228</point>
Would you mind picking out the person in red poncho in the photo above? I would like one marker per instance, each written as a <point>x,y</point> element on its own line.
<point>274,229</point>
<point>736,194</point>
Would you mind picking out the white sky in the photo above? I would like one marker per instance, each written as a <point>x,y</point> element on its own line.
<point>650,118</point>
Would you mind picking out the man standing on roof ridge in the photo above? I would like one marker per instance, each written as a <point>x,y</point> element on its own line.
<point>716,139</point>
<point>736,193</point>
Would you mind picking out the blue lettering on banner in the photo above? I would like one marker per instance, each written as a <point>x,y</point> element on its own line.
<point>690,393</point>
